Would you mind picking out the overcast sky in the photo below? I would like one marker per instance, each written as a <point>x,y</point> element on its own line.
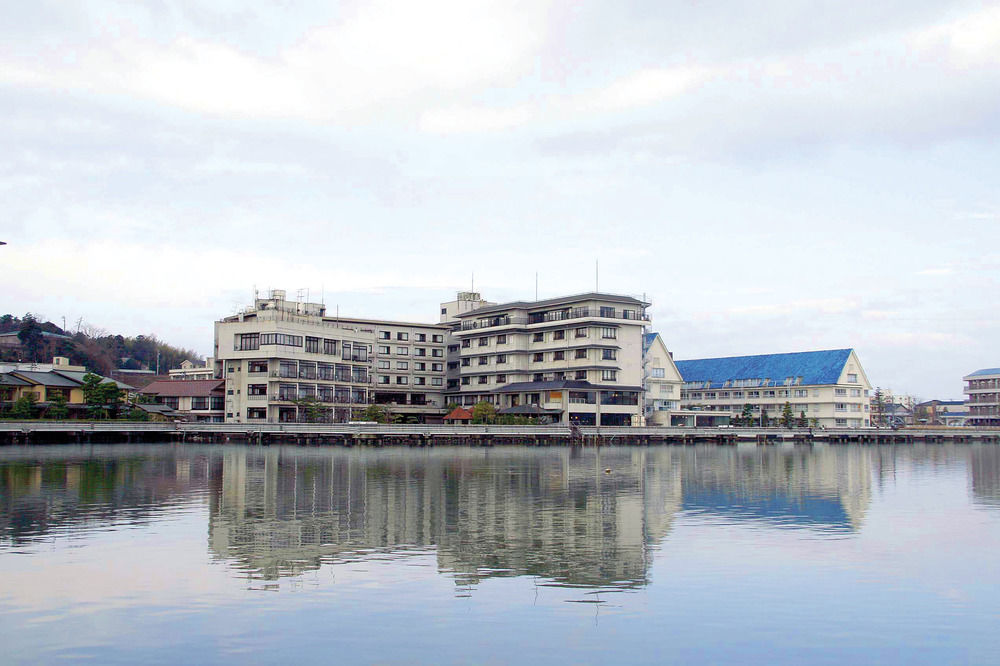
<point>773,176</point>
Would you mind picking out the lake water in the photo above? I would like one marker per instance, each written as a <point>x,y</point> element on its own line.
<point>203,554</point>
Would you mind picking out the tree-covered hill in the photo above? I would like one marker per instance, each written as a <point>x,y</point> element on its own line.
<point>98,350</point>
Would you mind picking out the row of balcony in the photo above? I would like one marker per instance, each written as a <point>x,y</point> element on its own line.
<point>554,315</point>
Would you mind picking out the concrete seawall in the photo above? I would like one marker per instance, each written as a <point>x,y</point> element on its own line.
<point>45,432</point>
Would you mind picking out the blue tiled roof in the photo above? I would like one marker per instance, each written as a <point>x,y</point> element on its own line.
<point>985,371</point>
<point>816,367</point>
<point>648,338</point>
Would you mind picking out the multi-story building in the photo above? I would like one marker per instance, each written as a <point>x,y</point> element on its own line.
<point>829,388</point>
<point>982,395</point>
<point>575,359</point>
<point>189,370</point>
<point>284,360</point>
<point>661,381</point>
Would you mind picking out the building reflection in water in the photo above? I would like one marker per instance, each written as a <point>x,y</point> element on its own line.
<point>577,517</point>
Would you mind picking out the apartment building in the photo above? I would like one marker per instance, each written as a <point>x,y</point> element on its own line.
<point>282,359</point>
<point>661,381</point>
<point>574,359</point>
<point>828,387</point>
<point>982,395</point>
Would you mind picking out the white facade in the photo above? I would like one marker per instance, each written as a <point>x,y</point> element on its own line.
<point>662,383</point>
<point>579,357</point>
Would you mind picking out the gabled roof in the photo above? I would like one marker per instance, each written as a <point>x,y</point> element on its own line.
<point>647,338</point>
<point>7,379</point>
<point>815,367</point>
<point>78,375</point>
<point>459,414</point>
<point>184,387</point>
<point>47,378</point>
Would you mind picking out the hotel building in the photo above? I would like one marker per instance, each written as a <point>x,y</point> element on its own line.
<point>829,387</point>
<point>575,359</point>
<point>982,396</point>
<point>661,381</point>
<point>278,353</point>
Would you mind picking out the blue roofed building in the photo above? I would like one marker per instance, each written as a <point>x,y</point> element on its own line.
<point>827,388</point>
<point>661,381</point>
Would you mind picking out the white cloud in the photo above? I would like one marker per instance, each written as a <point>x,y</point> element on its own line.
<point>969,41</point>
<point>643,88</point>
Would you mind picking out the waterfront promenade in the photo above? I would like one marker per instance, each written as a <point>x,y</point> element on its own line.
<point>25,432</point>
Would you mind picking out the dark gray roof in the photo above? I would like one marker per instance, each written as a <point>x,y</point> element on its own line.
<point>529,410</point>
<point>47,378</point>
<point>10,380</point>
<point>549,302</point>
<point>78,375</point>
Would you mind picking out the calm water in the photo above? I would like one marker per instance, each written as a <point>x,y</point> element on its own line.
<point>171,554</point>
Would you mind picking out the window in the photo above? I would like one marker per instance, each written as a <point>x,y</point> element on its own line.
<point>501,379</point>
<point>466,362</point>
<point>609,332</point>
<point>384,335</point>
<point>580,374</point>
<point>658,373</point>
<point>607,312</point>
<point>581,332</point>
<point>402,380</point>
<point>256,412</point>
<point>402,365</point>
<point>840,406</point>
<point>444,311</point>
<point>419,366</point>
<point>420,351</point>
<point>840,392</point>
<point>246,341</point>
<point>466,343</point>
<point>483,379</point>
<point>437,353</point>
<point>436,381</point>
<point>558,356</point>
<point>841,423</point>
<point>256,366</point>
<point>281,339</point>
<point>383,349</point>
<point>501,339</point>
<point>852,379</point>
<point>437,338</point>
<point>538,377</point>
<point>538,337</point>
<point>402,336</point>
<point>580,353</point>
<point>538,358</point>
<point>420,381</point>
<point>484,341</point>
<point>483,360</point>
<point>609,375</point>
<point>402,351</point>
<point>420,337</point>
<point>558,335</point>
<point>437,367</point>
<point>609,354</point>
<point>465,381</point>
<point>330,347</point>
<point>501,359</point>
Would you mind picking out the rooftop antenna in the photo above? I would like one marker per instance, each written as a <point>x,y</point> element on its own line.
<point>536,285</point>
<point>473,289</point>
<point>597,275</point>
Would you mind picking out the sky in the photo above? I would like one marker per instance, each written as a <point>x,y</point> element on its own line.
<point>773,176</point>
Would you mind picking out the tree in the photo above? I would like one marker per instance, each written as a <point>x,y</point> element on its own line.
<point>878,408</point>
<point>31,336</point>
<point>763,417</point>
<point>746,416</point>
<point>24,407</point>
<point>311,410</point>
<point>374,413</point>
<point>787,418</point>
<point>803,421</point>
<point>58,410</point>
<point>103,397</point>
<point>484,412</point>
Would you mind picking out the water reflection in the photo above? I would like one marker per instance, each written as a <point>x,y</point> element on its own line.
<point>576,517</point>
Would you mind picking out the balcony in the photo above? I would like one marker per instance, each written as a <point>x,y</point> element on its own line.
<point>492,322</point>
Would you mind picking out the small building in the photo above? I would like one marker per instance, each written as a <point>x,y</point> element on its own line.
<point>940,412</point>
<point>189,370</point>
<point>458,416</point>
<point>191,399</point>
<point>661,383</point>
<point>47,383</point>
<point>982,396</point>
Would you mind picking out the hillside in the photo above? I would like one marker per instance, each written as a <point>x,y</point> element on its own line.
<point>98,350</point>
